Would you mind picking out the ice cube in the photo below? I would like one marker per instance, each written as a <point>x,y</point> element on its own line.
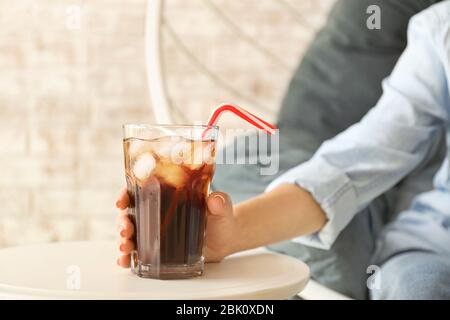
<point>166,146</point>
<point>138,147</point>
<point>171,173</point>
<point>181,152</point>
<point>209,152</point>
<point>203,153</point>
<point>143,166</point>
<point>174,149</point>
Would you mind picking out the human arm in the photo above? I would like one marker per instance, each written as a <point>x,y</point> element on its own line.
<point>356,166</point>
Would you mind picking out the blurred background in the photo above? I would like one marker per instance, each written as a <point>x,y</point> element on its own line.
<point>72,72</point>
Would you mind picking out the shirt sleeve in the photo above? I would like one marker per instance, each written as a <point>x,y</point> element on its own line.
<point>356,166</point>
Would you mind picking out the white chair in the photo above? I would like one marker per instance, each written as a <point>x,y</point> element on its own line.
<point>163,107</point>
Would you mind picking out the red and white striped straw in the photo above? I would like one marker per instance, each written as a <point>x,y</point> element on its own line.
<point>243,114</point>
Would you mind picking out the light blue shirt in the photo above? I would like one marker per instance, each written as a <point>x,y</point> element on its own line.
<point>394,138</point>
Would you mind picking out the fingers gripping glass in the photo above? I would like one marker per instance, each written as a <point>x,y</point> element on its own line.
<point>168,170</point>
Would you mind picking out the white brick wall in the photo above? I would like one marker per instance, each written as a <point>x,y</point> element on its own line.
<point>65,92</point>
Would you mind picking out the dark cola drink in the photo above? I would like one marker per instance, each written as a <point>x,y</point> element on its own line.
<point>168,180</point>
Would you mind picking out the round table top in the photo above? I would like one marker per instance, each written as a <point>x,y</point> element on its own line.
<point>88,270</point>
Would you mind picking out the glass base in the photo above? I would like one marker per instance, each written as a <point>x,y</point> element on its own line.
<point>168,272</point>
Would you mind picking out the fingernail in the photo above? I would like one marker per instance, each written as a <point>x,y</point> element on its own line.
<point>121,230</point>
<point>117,203</point>
<point>218,196</point>
<point>121,247</point>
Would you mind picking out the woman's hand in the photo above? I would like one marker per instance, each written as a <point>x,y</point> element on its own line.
<point>220,230</point>
<point>125,228</point>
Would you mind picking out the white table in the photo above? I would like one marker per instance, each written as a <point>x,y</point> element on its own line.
<point>88,270</point>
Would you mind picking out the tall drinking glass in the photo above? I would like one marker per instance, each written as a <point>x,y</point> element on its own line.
<point>168,171</point>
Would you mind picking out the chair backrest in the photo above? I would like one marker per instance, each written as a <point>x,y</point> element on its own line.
<point>203,52</point>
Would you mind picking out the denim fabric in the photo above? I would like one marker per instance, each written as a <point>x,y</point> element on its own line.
<point>414,275</point>
<point>319,105</point>
<point>392,140</point>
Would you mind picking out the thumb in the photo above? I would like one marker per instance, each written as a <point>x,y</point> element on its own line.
<point>219,204</point>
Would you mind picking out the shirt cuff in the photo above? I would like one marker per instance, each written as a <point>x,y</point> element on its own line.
<point>334,192</point>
